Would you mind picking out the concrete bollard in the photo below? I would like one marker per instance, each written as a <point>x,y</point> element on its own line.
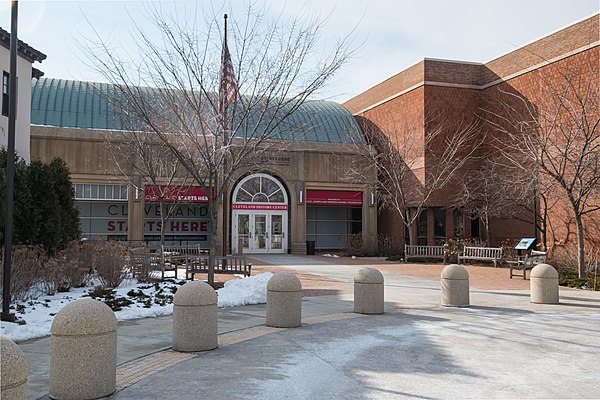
<point>543,284</point>
<point>83,352</point>
<point>368,291</point>
<point>195,317</point>
<point>455,286</point>
<point>284,301</point>
<point>13,374</point>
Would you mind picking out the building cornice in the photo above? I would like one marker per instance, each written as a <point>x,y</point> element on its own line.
<point>25,50</point>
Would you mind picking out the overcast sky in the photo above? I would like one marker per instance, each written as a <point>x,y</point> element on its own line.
<point>395,33</point>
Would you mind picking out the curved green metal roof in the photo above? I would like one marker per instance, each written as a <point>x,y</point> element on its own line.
<point>75,104</point>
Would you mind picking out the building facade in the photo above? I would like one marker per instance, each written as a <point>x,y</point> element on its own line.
<point>462,93</point>
<point>26,56</point>
<point>301,192</point>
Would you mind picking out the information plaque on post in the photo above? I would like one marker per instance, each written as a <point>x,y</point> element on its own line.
<point>525,244</point>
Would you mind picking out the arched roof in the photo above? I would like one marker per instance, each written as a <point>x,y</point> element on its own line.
<point>75,104</point>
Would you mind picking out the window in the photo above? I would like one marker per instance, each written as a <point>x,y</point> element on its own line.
<point>260,188</point>
<point>89,191</point>
<point>332,227</point>
<point>459,223</point>
<point>474,225</point>
<point>5,96</point>
<point>422,228</point>
<point>439,225</point>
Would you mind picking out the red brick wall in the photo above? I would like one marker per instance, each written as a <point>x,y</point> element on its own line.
<point>582,71</point>
<point>390,87</point>
<point>459,93</point>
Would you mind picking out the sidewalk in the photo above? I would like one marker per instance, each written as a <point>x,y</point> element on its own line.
<point>501,347</point>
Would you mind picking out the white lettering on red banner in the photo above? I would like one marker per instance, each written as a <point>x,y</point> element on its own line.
<point>193,194</point>
<point>345,198</point>
<point>254,206</point>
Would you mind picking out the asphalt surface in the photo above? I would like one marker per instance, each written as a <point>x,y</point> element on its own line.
<point>502,347</point>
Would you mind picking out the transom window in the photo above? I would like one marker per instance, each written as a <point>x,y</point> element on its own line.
<point>260,188</point>
<point>86,191</point>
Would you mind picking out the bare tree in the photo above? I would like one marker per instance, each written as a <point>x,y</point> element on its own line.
<point>494,191</point>
<point>143,162</point>
<point>277,68</point>
<point>415,164</point>
<point>556,134</point>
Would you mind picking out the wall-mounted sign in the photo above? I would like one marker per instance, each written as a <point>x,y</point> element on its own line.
<point>175,194</point>
<point>347,198</point>
<point>257,206</point>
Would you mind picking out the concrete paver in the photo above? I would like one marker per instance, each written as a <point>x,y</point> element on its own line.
<point>503,346</point>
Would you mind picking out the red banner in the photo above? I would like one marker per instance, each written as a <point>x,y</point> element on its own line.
<point>175,194</point>
<point>334,197</point>
<point>255,206</point>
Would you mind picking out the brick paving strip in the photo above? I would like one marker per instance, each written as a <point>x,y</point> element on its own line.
<point>134,371</point>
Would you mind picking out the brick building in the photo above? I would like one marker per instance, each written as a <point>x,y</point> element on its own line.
<point>464,93</point>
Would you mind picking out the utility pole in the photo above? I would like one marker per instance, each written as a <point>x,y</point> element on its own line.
<point>10,166</point>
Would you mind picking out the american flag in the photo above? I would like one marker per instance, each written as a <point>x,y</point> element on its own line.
<point>228,87</point>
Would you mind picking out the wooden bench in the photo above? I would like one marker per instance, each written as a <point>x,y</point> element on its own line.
<point>424,252</point>
<point>223,265</point>
<point>527,262</point>
<point>142,264</point>
<point>493,254</point>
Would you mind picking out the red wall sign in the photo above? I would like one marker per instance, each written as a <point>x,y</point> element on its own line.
<point>193,194</point>
<point>334,197</point>
<point>255,206</point>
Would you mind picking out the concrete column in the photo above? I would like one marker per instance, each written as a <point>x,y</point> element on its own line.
<point>455,286</point>
<point>13,374</point>
<point>368,291</point>
<point>369,220</point>
<point>135,217</point>
<point>297,228</point>
<point>284,301</point>
<point>195,317</point>
<point>83,353</point>
<point>544,284</point>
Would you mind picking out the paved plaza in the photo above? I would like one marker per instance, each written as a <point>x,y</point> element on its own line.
<point>502,347</point>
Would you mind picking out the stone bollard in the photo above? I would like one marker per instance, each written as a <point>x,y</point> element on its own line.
<point>368,291</point>
<point>544,284</point>
<point>13,374</point>
<point>455,286</point>
<point>284,301</point>
<point>195,317</point>
<point>83,352</point>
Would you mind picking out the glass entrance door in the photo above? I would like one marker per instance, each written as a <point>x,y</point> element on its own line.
<point>259,232</point>
<point>277,234</point>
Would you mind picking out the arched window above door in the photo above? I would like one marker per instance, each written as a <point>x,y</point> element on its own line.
<point>260,188</point>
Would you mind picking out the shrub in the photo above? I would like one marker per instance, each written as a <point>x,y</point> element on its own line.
<point>374,245</point>
<point>70,269</point>
<point>25,280</point>
<point>109,262</point>
<point>565,263</point>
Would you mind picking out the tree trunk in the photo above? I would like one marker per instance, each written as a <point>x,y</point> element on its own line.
<point>488,241</point>
<point>408,224</point>
<point>213,243</point>
<point>162,241</point>
<point>580,247</point>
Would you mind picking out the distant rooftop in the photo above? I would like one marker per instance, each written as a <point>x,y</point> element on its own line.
<point>76,104</point>
<point>25,51</point>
